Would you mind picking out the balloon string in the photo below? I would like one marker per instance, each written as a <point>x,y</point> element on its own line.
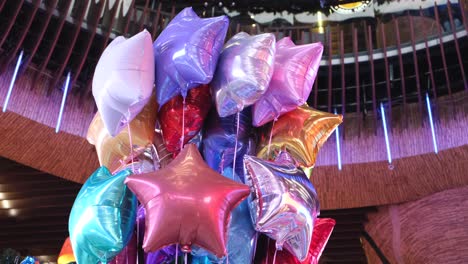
<point>235,147</point>
<point>268,247</point>
<point>274,256</point>
<point>271,135</point>
<point>182,137</point>
<point>185,258</point>
<point>131,146</point>
<point>176,253</point>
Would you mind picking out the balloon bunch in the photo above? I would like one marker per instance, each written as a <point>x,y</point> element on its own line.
<point>208,180</point>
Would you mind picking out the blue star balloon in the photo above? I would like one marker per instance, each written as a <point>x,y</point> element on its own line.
<point>186,53</point>
<point>102,218</point>
<point>218,150</point>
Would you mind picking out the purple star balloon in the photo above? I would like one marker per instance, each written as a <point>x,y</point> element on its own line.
<point>186,53</point>
<point>295,71</point>
<point>244,71</point>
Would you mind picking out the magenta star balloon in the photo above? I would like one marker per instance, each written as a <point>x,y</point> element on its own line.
<point>186,53</point>
<point>244,71</point>
<point>295,71</point>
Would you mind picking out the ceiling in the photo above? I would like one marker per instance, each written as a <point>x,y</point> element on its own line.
<point>34,210</point>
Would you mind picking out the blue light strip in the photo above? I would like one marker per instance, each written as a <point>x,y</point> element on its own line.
<point>12,82</point>
<point>387,143</point>
<point>338,148</point>
<point>62,106</point>
<point>429,111</point>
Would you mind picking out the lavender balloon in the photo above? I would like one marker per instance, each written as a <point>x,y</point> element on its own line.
<point>244,71</point>
<point>186,53</point>
<point>295,71</point>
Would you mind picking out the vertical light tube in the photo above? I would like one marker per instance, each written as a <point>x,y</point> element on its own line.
<point>387,143</point>
<point>12,82</point>
<point>338,148</point>
<point>431,122</point>
<point>62,106</point>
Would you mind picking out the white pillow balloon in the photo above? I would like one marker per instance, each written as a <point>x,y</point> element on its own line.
<point>123,80</point>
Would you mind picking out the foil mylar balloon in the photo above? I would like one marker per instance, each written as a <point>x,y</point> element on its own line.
<point>102,218</point>
<point>244,71</point>
<point>322,231</point>
<point>283,203</point>
<point>123,80</point>
<point>28,260</point>
<point>301,132</point>
<point>114,152</point>
<point>220,139</point>
<point>186,203</point>
<point>129,254</point>
<point>164,255</point>
<point>186,53</point>
<point>66,255</point>
<point>295,71</point>
<point>173,117</point>
<point>242,236</point>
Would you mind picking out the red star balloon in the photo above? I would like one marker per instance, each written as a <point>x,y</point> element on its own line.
<point>197,105</point>
<point>322,230</point>
<point>187,203</point>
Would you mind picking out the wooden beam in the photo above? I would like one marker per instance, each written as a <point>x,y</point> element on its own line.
<point>415,63</point>
<point>12,54</point>
<point>51,46</point>
<point>92,27</point>
<point>401,67</point>
<point>457,46</point>
<point>356,75</point>
<point>11,22</point>
<point>387,72</point>
<point>442,49</point>
<point>370,47</point>
<point>69,49</point>
<point>49,12</point>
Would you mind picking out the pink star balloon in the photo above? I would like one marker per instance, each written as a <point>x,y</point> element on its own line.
<point>187,203</point>
<point>294,74</point>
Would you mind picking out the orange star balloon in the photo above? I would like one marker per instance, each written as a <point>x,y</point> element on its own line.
<point>114,152</point>
<point>301,132</point>
<point>66,254</point>
<point>187,203</point>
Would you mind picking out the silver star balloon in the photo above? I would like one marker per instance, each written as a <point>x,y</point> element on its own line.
<point>244,71</point>
<point>283,202</point>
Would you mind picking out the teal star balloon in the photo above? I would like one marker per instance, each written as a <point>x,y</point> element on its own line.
<point>102,218</point>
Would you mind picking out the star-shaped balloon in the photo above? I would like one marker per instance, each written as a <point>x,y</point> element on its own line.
<point>102,218</point>
<point>283,204</point>
<point>244,71</point>
<point>186,53</point>
<point>295,70</point>
<point>123,80</point>
<point>322,230</point>
<point>301,132</point>
<point>66,255</point>
<point>114,152</point>
<point>174,115</point>
<point>187,203</point>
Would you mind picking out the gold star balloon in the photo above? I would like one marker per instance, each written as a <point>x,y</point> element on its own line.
<point>187,203</point>
<point>114,152</point>
<point>301,132</point>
